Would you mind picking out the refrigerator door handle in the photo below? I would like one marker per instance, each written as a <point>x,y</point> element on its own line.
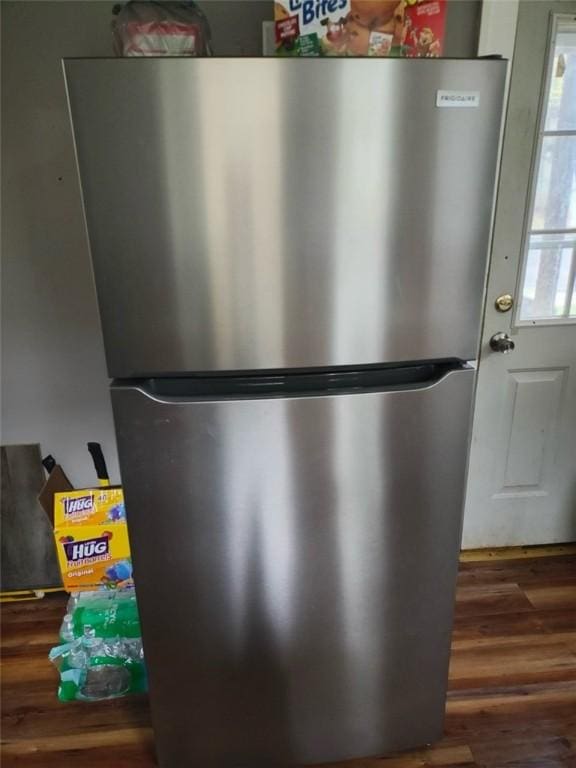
<point>182,390</point>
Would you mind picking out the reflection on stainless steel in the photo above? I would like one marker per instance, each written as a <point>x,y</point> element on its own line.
<point>254,214</point>
<point>304,550</point>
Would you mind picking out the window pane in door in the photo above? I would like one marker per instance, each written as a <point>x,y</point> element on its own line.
<point>549,270</point>
<point>561,109</point>
<point>548,289</point>
<point>555,203</point>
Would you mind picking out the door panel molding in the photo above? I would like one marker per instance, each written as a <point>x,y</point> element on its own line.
<point>532,402</point>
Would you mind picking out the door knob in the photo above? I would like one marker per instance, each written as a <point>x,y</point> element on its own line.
<point>504,303</point>
<point>501,342</point>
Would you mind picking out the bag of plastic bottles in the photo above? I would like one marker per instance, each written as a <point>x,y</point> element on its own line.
<point>94,668</point>
<point>160,29</point>
<point>108,613</point>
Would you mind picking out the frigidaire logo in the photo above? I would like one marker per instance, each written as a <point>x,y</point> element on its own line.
<point>457,98</point>
<point>78,504</point>
<point>89,550</point>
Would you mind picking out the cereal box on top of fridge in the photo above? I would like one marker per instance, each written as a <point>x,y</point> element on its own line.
<point>360,27</point>
<point>320,26</point>
<point>424,28</point>
<point>375,27</point>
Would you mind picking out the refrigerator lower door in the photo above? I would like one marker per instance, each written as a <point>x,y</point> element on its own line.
<point>295,559</point>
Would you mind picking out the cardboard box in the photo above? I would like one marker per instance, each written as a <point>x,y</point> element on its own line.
<point>413,28</point>
<point>92,538</point>
<point>89,506</point>
<point>94,556</point>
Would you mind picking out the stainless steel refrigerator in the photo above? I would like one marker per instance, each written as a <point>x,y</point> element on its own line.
<point>290,258</point>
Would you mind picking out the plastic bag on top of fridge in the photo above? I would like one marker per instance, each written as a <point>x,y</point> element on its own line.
<point>160,29</point>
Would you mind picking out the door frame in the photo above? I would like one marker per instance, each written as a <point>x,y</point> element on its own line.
<point>497,37</point>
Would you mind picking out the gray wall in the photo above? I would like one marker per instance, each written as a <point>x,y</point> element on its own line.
<point>462,28</point>
<point>54,378</point>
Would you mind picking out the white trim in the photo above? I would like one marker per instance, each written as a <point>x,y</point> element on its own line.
<point>558,133</point>
<point>567,231</point>
<point>539,322</point>
<point>498,24</point>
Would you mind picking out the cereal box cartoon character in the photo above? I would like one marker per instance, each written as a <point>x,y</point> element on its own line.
<point>383,16</point>
<point>425,43</point>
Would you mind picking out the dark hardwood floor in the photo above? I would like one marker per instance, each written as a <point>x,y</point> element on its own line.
<point>512,700</point>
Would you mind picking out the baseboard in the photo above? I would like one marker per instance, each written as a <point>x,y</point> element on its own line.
<point>517,553</point>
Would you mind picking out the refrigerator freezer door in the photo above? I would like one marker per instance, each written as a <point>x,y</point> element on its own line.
<point>282,213</point>
<point>296,561</point>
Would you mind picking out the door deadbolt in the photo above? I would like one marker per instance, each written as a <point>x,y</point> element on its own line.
<point>501,342</point>
<point>504,303</point>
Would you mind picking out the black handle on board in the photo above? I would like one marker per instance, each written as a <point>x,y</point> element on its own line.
<point>49,462</point>
<point>98,459</point>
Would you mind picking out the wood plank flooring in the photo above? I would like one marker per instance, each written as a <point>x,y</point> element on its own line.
<point>512,699</point>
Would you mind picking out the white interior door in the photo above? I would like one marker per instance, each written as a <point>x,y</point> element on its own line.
<point>522,472</point>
